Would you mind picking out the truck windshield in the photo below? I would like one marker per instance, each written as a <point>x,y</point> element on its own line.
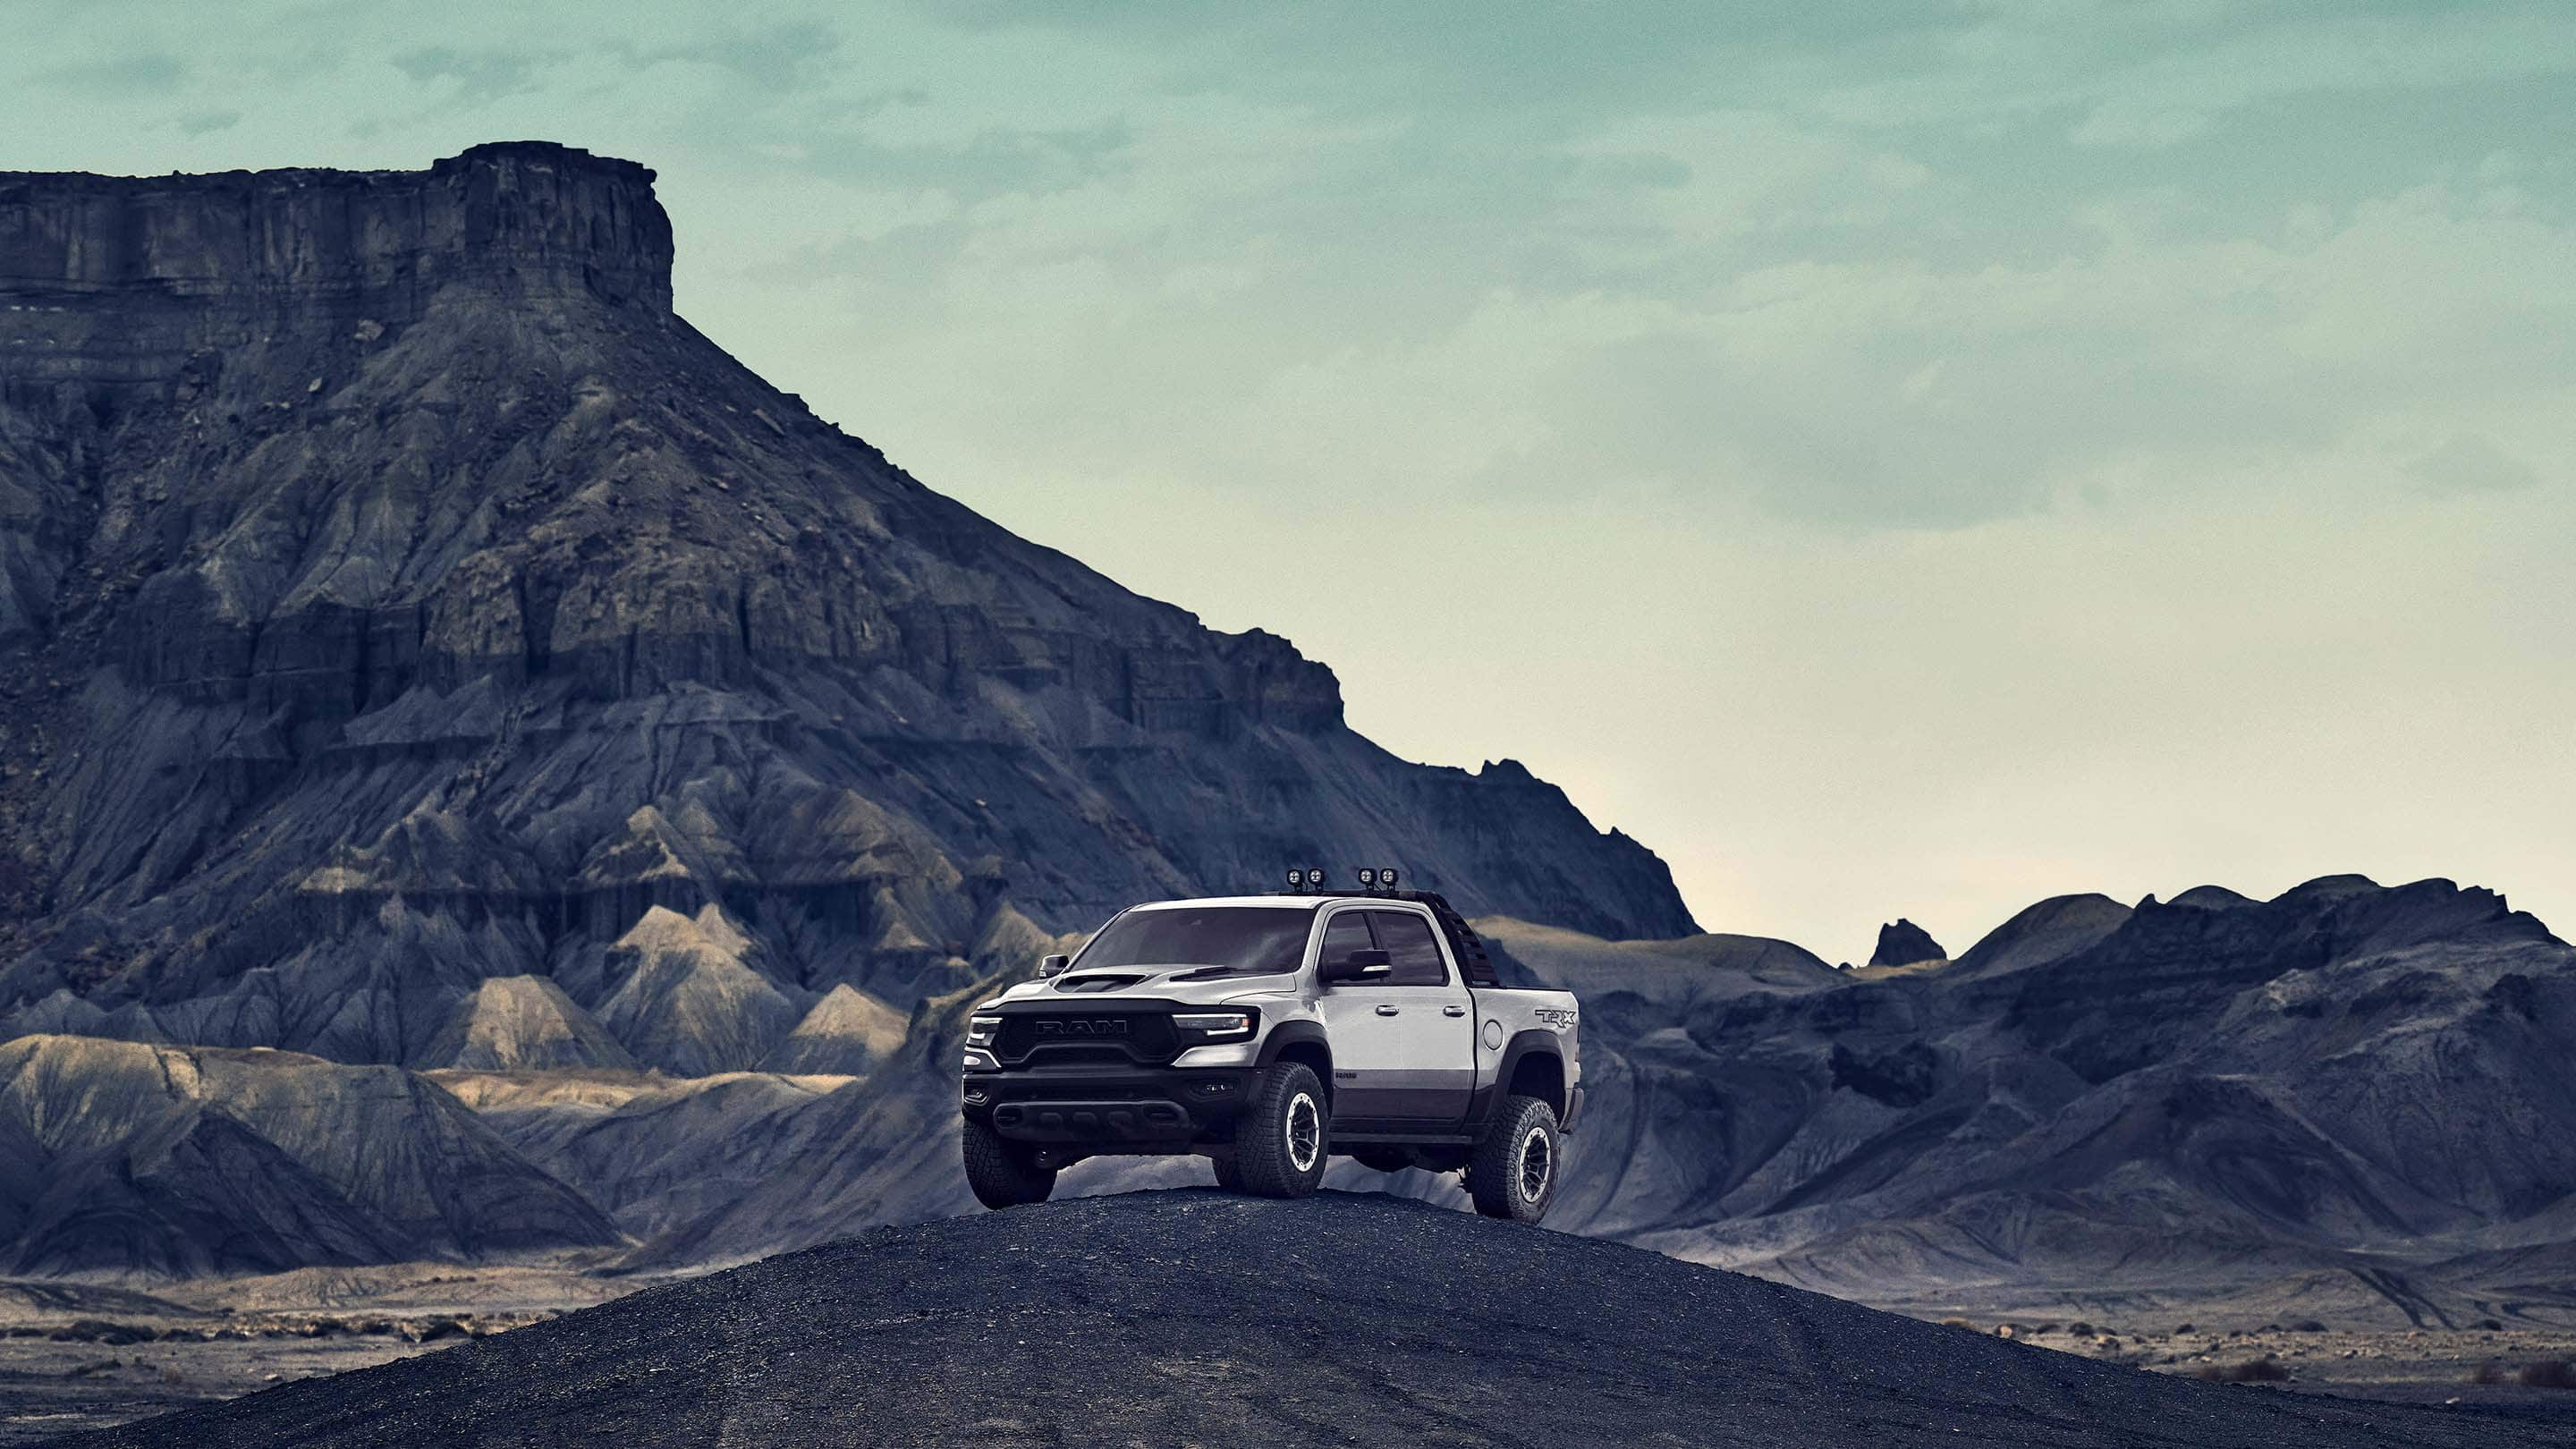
<point>1239,940</point>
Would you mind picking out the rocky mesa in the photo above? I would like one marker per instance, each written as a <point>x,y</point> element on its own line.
<point>421,646</point>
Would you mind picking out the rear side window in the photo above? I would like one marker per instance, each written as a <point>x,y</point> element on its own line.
<point>1344,934</point>
<point>1410,949</point>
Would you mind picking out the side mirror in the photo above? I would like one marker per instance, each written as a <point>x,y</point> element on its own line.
<point>1361,966</point>
<point>1053,966</point>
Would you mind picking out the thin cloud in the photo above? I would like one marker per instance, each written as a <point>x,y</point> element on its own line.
<point>146,70</point>
<point>2471,463</point>
<point>479,77</point>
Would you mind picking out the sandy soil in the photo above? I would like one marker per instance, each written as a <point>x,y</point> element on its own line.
<point>2412,1366</point>
<point>87,1356</point>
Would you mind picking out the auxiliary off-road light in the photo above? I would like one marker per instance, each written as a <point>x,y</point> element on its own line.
<point>1386,877</point>
<point>1368,879</point>
<point>1214,1023</point>
<point>1315,877</point>
<point>1296,880</point>
<point>980,1029</point>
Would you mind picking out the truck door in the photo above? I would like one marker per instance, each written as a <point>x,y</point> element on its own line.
<point>1367,1027</point>
<point>1439,1020</point>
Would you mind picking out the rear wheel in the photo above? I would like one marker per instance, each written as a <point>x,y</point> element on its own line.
<point>1280,1140</point>
<point>1003,1173</point>
<point>1513,1174</point>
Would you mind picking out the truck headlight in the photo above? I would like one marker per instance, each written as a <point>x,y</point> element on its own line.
<point>1216,1025</point>
<point>980,1029</point>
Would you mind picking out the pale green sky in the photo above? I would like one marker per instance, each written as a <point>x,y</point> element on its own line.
<point>1889,465</point>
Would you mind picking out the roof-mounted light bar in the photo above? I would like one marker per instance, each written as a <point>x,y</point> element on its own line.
<point>1371,878</point>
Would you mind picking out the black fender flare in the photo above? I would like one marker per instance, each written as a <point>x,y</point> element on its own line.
<point>1529,1041</point>
<point>1293,1033</point>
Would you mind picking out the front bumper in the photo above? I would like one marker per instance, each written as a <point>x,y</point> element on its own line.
<point>1144,1108</point>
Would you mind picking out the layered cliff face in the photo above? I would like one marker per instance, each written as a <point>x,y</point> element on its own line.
<point>398,596</point>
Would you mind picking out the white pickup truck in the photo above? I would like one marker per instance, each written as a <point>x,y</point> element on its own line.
<point>1268,1033</point>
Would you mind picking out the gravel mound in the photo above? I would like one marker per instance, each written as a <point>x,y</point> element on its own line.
<point>1194,1317</point>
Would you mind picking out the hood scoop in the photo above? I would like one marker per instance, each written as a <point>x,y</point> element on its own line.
<point>1097,981</point>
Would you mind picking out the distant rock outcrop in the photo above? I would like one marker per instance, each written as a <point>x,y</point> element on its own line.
<point>847,1033</point>
<point>525,1023</point>
<point>122,1157</point>
<point>1905,944</point>
<point>689,1000</point>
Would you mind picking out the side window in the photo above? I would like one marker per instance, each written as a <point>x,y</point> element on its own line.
<point>1344,934</point>
<point>1410,949</point>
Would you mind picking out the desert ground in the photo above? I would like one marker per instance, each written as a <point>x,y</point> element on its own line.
<point>90,1356</point>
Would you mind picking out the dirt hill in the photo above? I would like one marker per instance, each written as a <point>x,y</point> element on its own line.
<point>1199,1318</point>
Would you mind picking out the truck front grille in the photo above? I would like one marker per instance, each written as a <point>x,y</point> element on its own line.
<point>1086,1036</point>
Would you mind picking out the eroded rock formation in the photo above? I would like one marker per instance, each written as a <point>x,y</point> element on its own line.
<point>1903,943</point>
<point>398,597</point>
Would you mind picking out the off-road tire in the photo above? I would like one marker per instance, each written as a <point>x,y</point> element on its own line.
<point>1515,1170</point>
<point>1383,1159</point>
<point>1283,1139</point>
<point>1003,1173</point>
<point>1228,1175</point>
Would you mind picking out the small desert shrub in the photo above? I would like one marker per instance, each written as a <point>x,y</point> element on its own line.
<point>2252,1371</point>
<point>2491,1325</point>
<point>2080,1329</point>
<point>93,1330</point>
<point>1958,1323</point>
<point>2307,1325</point>
<point>2489,1372</point>
<point>2182,1328</point>
<point>2045,1328</point>
<point>2549,1373</point>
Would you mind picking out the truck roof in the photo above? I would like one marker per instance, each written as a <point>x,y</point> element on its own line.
<point>1297,903</point>
<point>1303,903</point>
<point>1464,944</point>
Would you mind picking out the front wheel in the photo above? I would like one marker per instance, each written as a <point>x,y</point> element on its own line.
<point>1280,1140</point>
<point>1003,1173</point>
<point>1513,1174</point>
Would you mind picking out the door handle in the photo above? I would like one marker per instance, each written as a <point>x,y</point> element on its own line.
<point>1389,1010</point>
<point>1453,1011</point>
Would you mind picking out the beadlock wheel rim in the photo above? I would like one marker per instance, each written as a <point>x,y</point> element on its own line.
<point>1305,1132</point>
<point>1536,1163</point>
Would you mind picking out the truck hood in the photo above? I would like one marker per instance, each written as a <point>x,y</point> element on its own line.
<point>1161,983</point>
